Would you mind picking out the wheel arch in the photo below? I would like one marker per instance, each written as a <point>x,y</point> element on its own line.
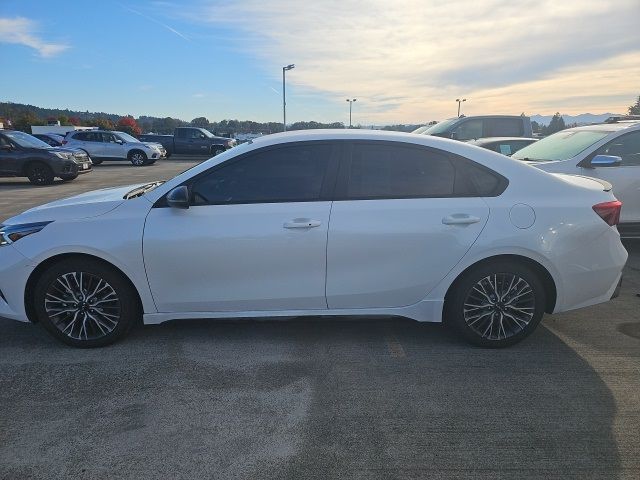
<point>549,284</point>
<point>31,161</point>
<point>42,266</point>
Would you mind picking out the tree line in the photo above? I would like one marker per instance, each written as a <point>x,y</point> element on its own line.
<point>21,116</point>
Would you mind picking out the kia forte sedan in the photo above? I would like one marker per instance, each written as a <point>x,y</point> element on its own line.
<point>323,222</point>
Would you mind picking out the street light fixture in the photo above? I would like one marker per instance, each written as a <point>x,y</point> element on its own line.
<point>350,105</point>
<point>284,98</point>
<point>459,103</point>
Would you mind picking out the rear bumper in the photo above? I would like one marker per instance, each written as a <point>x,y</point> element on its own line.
<point>591,273</point>
<point>629,229</point>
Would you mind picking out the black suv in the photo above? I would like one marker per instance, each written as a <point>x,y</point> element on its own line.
<point>23,155</point>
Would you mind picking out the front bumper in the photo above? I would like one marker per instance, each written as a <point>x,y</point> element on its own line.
<point>15,270</point>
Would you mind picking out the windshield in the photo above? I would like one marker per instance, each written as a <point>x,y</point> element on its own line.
<point>440,127</point>
<point>126,137</point>
<point>420,129</point>
<point>207,133</point>
<point>560,146</point>
<point>25,140</point>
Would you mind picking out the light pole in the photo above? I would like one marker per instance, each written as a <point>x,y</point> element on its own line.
<point>459,103</point>
<point>350,104</point>
<point>284,98</point>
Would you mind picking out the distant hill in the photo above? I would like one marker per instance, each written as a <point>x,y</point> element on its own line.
<point>582,119</point>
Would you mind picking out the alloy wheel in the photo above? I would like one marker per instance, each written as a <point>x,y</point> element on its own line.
<point>82,306</point>
<point>499,306</point>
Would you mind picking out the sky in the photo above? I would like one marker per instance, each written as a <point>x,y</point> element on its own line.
<point>404,61</point>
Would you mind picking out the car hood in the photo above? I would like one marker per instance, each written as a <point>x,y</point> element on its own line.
<point>85,205</point>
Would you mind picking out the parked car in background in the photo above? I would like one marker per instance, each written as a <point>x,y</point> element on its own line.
<point>421,227</point>
<point>105,145</point>
<point>23,155</point>
<point>421,129</point>
<point>52,139</point>
<point>608,151</point>
<point>191,141</point>
<point>504,145</point>
<point>482,126</point>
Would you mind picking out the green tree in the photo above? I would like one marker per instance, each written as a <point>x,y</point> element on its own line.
<point>102,123</point>
<point>24,122</point>
<point>201,122</point>
<point>556,124</point>
<point>635,108</point>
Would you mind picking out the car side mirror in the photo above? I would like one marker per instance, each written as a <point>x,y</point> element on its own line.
<point>179,197</point>
<point>6,147</point>
<point>605,161</point>
<point>454,135</point>
<point>119,142</point>
<point>202,135</point>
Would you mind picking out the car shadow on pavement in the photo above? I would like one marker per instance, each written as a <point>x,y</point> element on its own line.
<point>307,398</point>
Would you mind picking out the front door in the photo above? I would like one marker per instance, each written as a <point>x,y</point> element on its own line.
<point>399,227</point>
<point>253,239</point>
<point>624,178</point>
<point>9,157</point>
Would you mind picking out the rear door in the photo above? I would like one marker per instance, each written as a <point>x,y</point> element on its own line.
<point>404,215</point>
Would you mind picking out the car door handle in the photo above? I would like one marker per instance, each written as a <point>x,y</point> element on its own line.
<point>460,219</point>
<point>302,223</point>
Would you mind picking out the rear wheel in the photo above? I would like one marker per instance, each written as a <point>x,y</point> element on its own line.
<point>85,303</point>
<point>497,304</point>
<point>138,158</point>
<point>39,173</point>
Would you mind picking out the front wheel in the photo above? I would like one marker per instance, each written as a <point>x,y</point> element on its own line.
<point>85,303</point>
<point>67,178</point>
<point>497,304</point>
<point>138,158</point>
<point>216,151</point>
<point>40,174</point>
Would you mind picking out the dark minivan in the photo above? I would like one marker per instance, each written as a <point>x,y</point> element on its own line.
<point>482,126</point>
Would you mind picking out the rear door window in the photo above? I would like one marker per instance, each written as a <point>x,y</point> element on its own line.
<point>396,171</point>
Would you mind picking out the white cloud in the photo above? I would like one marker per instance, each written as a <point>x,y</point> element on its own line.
<point>22,31</point>
<point>408,60</point>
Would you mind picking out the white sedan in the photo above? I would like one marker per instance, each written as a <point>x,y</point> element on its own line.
<point>345,222</point>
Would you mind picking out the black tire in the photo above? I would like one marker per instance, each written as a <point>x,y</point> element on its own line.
<point>496,317</point>
<point>40,173</point>
<point>105,312</point>
<point>96,162</point>
<point>70,177</point>
<point>216,150</point>
<point>137,158</point>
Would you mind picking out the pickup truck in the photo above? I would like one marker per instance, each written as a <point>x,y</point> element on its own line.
<point>191,141</point>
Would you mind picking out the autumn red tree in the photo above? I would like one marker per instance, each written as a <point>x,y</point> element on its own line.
<point>74,121</point>
<point>128,124</point>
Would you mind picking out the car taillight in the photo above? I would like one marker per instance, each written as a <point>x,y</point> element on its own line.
<point>609,211</point>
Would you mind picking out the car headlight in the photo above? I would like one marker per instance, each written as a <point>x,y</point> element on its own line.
<point>13,233</point>
<point>64,155</point>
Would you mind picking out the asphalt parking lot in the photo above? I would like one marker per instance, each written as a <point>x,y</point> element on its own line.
<point>319,398</point>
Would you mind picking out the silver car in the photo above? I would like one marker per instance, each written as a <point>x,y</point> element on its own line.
<point>104,145</point>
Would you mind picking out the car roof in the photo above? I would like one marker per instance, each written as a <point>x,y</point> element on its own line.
<point>607,127</point>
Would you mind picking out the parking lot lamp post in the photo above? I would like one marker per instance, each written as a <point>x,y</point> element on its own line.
<point>459,103</point>
<point>350,104</point>
<point>284,98</point>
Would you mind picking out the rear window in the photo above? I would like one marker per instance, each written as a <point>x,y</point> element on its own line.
<point>503,127</point>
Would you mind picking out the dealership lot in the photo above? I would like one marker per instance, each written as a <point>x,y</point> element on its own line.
<point>319,398</point>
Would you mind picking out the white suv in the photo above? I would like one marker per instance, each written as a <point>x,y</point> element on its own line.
<point>104,145</point>
<point>609,151</point>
